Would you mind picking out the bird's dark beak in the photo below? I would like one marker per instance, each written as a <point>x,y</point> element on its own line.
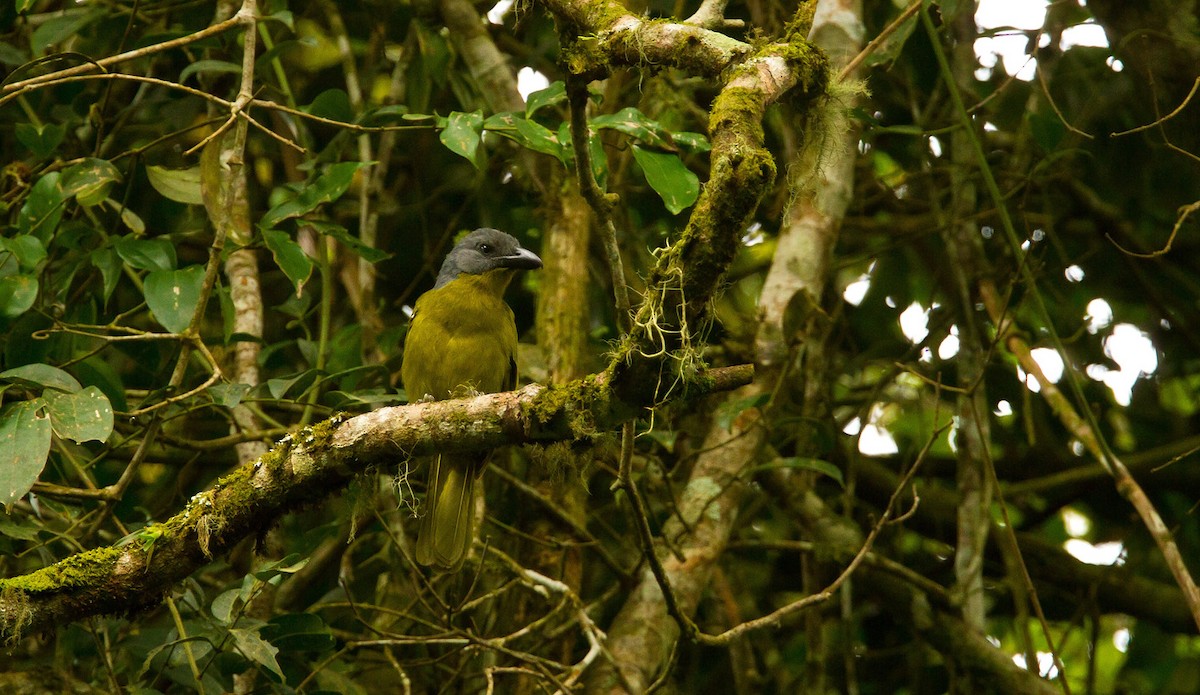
<point>523,259</point>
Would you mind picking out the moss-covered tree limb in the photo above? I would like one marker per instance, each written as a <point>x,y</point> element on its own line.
<point>304,468</point>
<point>600,36</point>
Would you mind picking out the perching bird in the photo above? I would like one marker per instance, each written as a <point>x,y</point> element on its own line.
<point>462,340</point>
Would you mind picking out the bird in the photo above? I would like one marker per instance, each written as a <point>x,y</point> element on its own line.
<point>462,340</point>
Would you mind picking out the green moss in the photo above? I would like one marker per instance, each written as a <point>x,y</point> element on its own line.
<point>572,406</point>
<point>83,569</point>
<point>737,110</point>
<point>799,27</point>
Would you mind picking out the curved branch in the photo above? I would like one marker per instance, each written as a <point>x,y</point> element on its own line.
<point>302,469</point>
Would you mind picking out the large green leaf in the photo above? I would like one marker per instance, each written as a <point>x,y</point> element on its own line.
<point>333,104</point>
<point>172,296</point>
<point>180,185</point>
<point>327,187</point>
<point>42,376</point>
<point>290,258</point>
<point>82,416</point>
<point>17,295</point>
<point>146,254</point>
<point>60,27</point>
<point>25,441</point>
<point>669,177</point>
<point>27,249</point>
<point>461,134</point>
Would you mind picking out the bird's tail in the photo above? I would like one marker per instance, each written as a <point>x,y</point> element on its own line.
<point>448,524</point>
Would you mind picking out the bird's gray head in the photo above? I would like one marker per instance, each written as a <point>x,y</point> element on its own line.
<point>483,250</point>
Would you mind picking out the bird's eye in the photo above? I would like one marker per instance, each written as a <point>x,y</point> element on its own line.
<point>484,248</point>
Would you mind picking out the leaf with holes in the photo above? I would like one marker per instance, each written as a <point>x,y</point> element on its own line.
<point>461,134</point>
<point>255,648</point>
<point>82,416</point>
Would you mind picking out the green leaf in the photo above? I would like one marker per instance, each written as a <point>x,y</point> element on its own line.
<point>17,295</point>
<point>290,258</point>
<point>388,114</point>
<point>290,564</point>
<point>283,17</point>
<point>42,140</point>
<point>95,371</point>
<point>146,254</point>
<point>539,138</point>
<point>669,177</point>
<point>27,249</point>
<point>25,441</point>
<point>128,217</point>
<point>808,464</point>
<point>333,104</point>
<point>256,649</point>
<point>298,632</point>
<point>221,67</point>
<point>556,93</point>
<point>43,376</point>
<point>527,133</point>
<point>109,264</point>
<point>24,5</point>
<point>225,604</point>
<point>461,134</point>
<point>59,28</point>
<point>228,395</point>
<point>636,124</point>
<point>180,185</point>
<point>172,296</point>
<point>297,383</point>
<point>694,143</point>
<point>887,170</point>
<point>327,188</point>
<point>15,529</point>
<point>82,416</point>
<point>90,180</point>
<point>367,253</point>
<point>599,161</point>
<point>11,55</point>
<point>43,208</point>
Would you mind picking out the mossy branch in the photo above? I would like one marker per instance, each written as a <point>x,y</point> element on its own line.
<point>600,36</point>
<point>303,469</point>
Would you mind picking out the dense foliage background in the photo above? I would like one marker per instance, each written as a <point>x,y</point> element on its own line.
<point>970,294</point>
